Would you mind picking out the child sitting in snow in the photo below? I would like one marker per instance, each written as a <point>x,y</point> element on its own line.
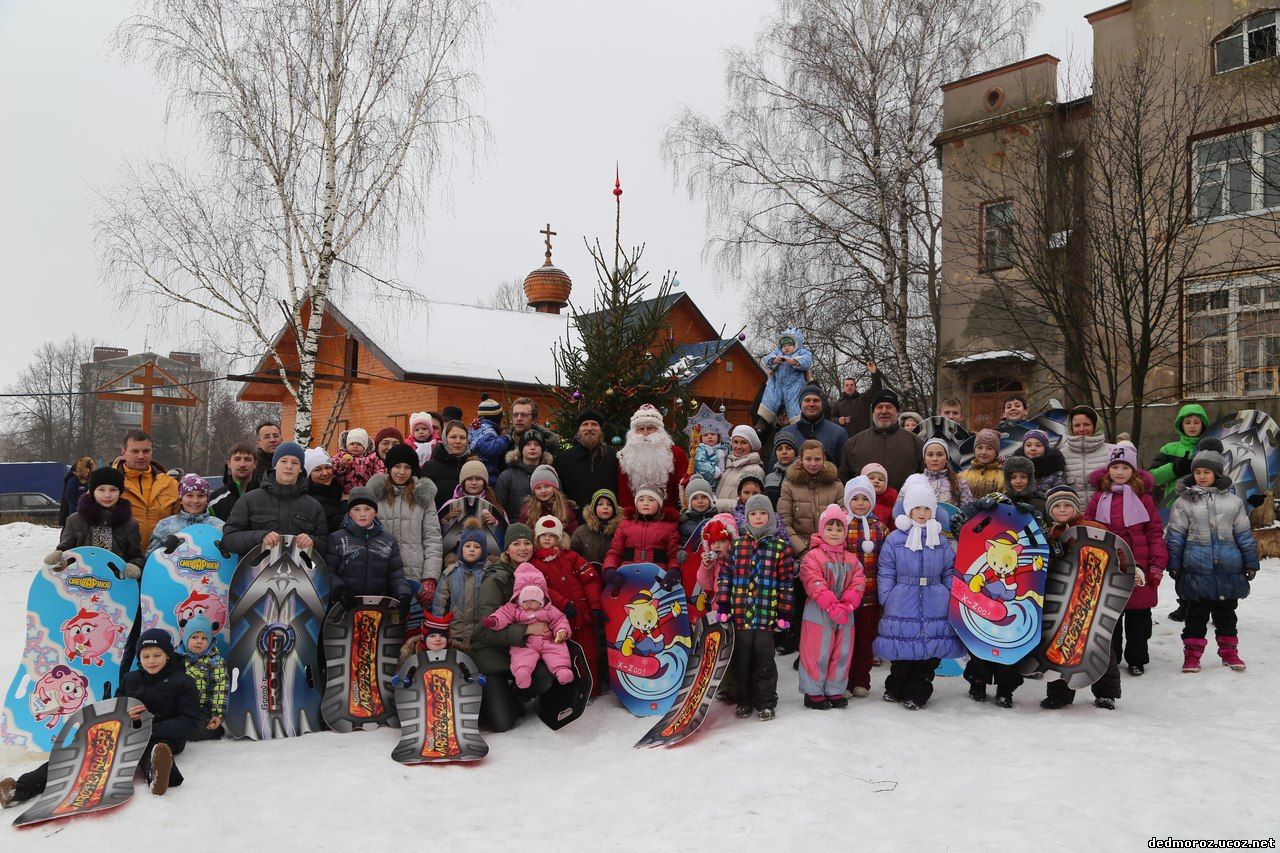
<point>193,503</point>
<point>833,580</point>
<point>355,464</point>
<point>209,672</point>
<point>529,604</point>
<point>787,366</point>
<point>1212,558</point>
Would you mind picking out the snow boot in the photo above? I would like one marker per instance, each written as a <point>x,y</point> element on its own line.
<point>890,697</point>
<point>1105,702</point>
<point>1137,669</point>
<point>1053,703</point>
<point>767,714</point>
<point>1229,651</point>
<point>1179,614</point>
<point>1004,701</point>
<point>911,705</point>
<point>161,764</point>
<point>817,703</point>
<point>743,712</point>
<point>1192,649</point>
<point>8,792</point>
<point>978,691</point>
<point>859,693</point>
<point>838,701</point>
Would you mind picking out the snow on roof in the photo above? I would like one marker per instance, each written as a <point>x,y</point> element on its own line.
<point>415,335</point>
<point>993,355</point>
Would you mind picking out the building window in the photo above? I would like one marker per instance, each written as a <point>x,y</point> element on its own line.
<point>997,235</point>
<point>1232,334</point>
<point>1238,174</point>
<point>1252,40</point>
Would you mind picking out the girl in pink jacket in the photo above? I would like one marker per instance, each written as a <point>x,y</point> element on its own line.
<point>528,605</point>
<point>833,578</point>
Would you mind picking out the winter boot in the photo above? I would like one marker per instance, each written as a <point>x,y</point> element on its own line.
<point>767,714</point>
<point>1179,614</point>
<point>1053,703</point>
<point>1137,669</point>
<point>838,701</point>
<point>1229,651</point>
<point>8,792</point>
<point>978,691</point>
<point>1004,700</point>
<point>161,764</point>
<point>911,705</point>
<point>1105,702</point>
<point>743,712</point>
<point>817,703</point>
<point>859,692</point>
<point>1192,649</point>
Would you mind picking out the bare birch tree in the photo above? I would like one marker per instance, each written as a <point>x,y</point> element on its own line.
<point>820,175</point>
<point>508,296</point>
<point>326,120</point>
<point>50,414</point>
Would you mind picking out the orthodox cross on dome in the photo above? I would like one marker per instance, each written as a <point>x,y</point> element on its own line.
<point>549,234</point>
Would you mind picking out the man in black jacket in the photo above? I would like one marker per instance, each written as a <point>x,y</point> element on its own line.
<point>588,464</point>
<point>853,410</point>
<point>162,687</point>
<point>237,479</point>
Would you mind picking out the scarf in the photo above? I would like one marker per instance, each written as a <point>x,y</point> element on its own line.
<point>867,545</point>
<point>918,534</point>
<point>1133,512</point>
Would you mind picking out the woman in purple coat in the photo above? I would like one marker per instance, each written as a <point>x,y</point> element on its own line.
<point>913,577</point>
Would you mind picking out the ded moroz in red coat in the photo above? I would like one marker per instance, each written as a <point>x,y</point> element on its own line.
<point>626,499</point>
<point>1146,540</point>
<point>639,540</point>
<point>574,587</point>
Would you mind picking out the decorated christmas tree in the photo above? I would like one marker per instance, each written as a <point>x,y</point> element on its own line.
<point>621,354</point>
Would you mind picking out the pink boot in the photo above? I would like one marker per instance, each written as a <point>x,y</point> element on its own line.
<point>1192,649</point>
<point>1229,651</point>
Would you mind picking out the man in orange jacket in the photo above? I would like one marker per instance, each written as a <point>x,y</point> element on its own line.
<point>152,494</point>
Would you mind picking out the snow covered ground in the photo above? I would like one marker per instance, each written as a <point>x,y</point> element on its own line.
<point>1187,756</point>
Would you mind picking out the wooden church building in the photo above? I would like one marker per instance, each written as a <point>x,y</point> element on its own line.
<point>382,358</point>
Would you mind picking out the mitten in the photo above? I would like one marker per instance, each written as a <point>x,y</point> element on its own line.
<point>570,611</point>
<point>628,646</point>
<point>839,613</point>
<point>826,600</point>
<point>1024,507</point>
<point>490,621</point>
<point>681,556</point>
<point>171,543</point>
<point>55,560</point>
<point>1173,573</point>
<point>132,571</point>
<point>427,592</point>
<point>1182,466</point>
<point>1250,574</point>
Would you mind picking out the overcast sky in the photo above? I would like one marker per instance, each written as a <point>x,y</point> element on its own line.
<point>571,86</point>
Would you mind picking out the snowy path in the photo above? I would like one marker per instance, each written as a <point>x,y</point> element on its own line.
<point>1183,756</point>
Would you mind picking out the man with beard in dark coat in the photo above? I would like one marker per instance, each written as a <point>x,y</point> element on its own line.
<point>853,409</point>
<point>588,464</point>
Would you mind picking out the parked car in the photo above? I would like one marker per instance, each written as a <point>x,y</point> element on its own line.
<point>28,506</point>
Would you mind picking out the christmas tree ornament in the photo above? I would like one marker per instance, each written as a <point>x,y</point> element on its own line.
<point>742,336</point>
<point>722,408</point>
<point>577,395</point>
<point>616,441</point>
<point>679,401</point>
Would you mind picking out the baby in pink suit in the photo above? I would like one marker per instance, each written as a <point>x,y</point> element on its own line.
<point>529,604</point>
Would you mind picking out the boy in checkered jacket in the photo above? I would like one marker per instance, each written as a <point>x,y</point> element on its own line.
<point>754,590</point>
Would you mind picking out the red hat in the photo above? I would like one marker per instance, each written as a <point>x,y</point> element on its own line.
<point>388,432</point>
<point>436,624</point>
<point>721,528</point>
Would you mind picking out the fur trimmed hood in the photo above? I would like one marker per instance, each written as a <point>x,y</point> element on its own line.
<point>512,458</point>
<point>93,513</point>
<point>797,476</point>
<point>594,524</point>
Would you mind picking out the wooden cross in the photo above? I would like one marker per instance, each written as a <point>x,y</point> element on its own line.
<point>147,396</point>
<point>549,234</point>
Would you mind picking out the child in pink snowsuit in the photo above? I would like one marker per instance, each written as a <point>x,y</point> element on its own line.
<point>529,604</point>
<point>717,540</point>
<point>833,578</point>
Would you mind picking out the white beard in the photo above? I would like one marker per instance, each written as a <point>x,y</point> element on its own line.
<point>647,459</point>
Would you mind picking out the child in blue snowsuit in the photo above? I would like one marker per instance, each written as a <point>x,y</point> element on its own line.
<point>786,367</point>
<point>710,455</point>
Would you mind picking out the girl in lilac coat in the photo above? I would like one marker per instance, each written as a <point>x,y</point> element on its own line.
<point>913,576</point>
<point>528,605</point>
<point>833,579</point>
